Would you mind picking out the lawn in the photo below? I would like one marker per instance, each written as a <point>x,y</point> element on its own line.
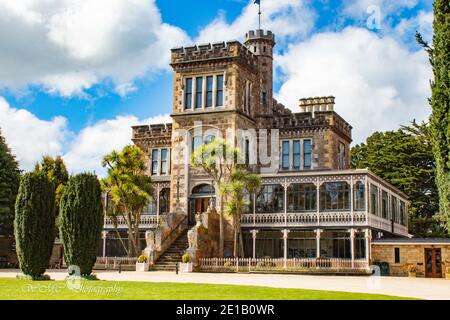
<point>13,289</point>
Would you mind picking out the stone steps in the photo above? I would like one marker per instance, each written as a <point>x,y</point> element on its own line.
<point>173,255</point>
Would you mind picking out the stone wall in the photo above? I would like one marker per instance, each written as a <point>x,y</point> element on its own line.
<point>409,254</point>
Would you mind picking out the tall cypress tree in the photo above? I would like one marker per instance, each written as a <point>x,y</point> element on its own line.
<point>81,221</point>
<point>34,224</point>
<point>440,101</point>
<point>9,184</point>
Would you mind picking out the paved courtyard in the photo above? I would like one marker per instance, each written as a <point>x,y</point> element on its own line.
<point>405,287</point>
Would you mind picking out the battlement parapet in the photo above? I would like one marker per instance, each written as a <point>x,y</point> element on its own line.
<point>213,51</point>
<point>152,131</point>
<point>317,104</point>
<point>259,34</point>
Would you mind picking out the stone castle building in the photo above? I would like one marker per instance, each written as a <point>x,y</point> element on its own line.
<point>311,203</point>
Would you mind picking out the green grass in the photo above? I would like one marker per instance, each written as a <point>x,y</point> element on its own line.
<point>14,289</point>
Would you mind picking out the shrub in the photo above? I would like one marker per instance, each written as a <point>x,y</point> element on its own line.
<point>186,258</point>
<point>34,224</point>
<point>81,221</point>
<point>142,259</point>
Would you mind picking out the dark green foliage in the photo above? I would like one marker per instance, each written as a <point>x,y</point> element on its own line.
<point>9,183</point>
<point>81,221</point>
<point>404,158</point>
<point>34,223</point>
<point>56,171</point>
<point>440,101</point>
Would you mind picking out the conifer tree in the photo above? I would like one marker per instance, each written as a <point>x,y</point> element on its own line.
<point>34,223</point>
<point>9,184</point>
<point>81,221</point>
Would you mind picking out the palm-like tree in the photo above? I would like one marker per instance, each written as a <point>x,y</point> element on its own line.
<point>241,181</point>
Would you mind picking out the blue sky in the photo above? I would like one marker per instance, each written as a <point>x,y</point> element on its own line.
<point>308,33</point>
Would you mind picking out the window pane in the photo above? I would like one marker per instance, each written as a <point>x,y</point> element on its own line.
<point>301,197</point>
<point>270,199</point>
<point>219,94</point>
<point>164,161</point>
<point>335,196</point>
<point>209,91</point>
<point>359,197</point>
<point>155,154</point>
<point>188,94</point>
<point>307,154</point>
<point>296,146</point>
<point>373,200</point>
<point>285,160</point>
<point>198,92</point>
<point>384,208</point>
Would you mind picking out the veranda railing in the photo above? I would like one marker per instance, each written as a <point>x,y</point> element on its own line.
<point>269,264</point>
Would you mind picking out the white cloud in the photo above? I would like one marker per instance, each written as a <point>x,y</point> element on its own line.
<point>422,22</point>
<point>377,82</point>
<point>288,19</point>
<point>30,138</point>
<point>93,142</point>
<point>358,8</point>
<point>67,46</point>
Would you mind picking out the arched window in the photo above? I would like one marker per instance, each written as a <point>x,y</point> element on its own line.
<point>359,197</point>
<point>335,196</point>
<point>302,197</point>
<point>203,189</point>
<point>270,199</point>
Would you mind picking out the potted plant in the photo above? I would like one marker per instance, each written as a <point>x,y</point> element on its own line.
<point>412,270</point>
<point>142,264</point>
<point>186,264</point>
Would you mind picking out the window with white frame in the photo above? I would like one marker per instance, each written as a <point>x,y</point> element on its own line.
<point>296,154</point>
<point>160,161</point>
<point>203,92</point>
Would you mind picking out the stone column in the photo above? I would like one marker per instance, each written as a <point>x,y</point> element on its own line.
<point>318,232</point>
<point>104,235</point>
<point>352,246</point>
<point>285,240</point>
<point>254,232</point>
<point>367,237</point>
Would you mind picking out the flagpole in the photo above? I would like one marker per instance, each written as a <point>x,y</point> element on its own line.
<point>259,16</point>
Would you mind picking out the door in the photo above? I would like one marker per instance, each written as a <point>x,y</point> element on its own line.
<point>433,266</point>
<point>198,205</point>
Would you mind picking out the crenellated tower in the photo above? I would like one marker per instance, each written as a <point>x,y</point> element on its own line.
<point>261,44</point>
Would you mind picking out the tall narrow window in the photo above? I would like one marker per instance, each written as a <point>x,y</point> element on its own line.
<point>198,93</point>
<point>264,98</point>
<point>341,156</point>
<point>248,88</point>
<point>155,154</point>
<point>209,91</point>
<point>374,200</point>
<point>296,154</point>
<point>188,94</point>
<point>384,205</point>
<point>219,93</point>
<point>285,158</point>
<point>164,161</point>
<point>359,197</point>
<point>397,255</point>
<point>402,213</point>
<point>394,209</point>
<point>307,154</point>
<point>247,151</point>
<point>197,142</point>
